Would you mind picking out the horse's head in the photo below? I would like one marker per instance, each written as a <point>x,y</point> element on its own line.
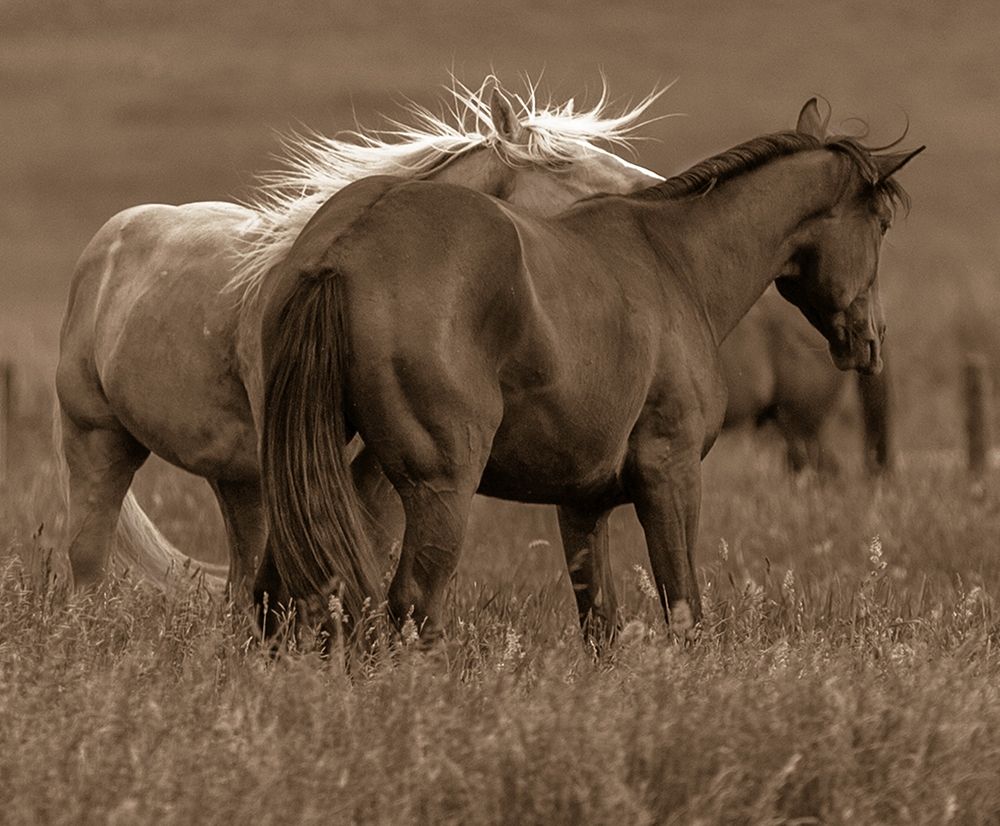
<point>543,168</point>
<point>831,275</point>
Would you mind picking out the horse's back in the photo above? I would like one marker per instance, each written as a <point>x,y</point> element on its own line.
<point>146,249</point>
<point>414,258</point>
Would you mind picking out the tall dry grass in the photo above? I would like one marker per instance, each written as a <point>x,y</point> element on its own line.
<point>847,672</point>
<point>838,680</point>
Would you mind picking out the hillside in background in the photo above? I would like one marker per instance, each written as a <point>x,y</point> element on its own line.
<point>109,104</point>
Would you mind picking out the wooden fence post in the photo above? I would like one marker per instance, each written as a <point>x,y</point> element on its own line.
<point>978,412</point>
<point>6,414</point>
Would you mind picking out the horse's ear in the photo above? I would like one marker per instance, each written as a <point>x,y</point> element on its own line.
<point>891,164</point>
<point>504,119</point>
<point>811,122</point>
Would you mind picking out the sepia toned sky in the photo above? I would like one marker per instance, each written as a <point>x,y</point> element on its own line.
<point>108,104</point>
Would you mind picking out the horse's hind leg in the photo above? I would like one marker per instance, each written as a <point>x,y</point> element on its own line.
<point>102,462</point>
<point>383,514</point>
<point>436,481</point>
<point>437,511</point>
<point>243,512</point>
<point>585,542</point>
<point>269,595</point>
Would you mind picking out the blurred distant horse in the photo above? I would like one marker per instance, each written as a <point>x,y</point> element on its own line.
<point>777,370</point>
<point>159,349</point>
<point>571,360</point>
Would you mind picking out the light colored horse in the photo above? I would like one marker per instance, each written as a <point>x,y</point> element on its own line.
<point>159,351</point>
<point>571,360</point>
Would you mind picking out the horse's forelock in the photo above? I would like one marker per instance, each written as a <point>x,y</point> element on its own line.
<point>889,190</point>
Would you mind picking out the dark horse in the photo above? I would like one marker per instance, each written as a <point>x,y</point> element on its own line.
<point>777,371</point>
<point>571,360</point>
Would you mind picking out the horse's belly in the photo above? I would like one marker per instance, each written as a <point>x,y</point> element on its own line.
<point>542,458</point>
<point>520,483</point>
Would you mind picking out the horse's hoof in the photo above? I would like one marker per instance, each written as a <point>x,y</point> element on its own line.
<point>682,622</point>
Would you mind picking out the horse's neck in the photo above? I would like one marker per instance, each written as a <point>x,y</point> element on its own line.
<point>733,241</point>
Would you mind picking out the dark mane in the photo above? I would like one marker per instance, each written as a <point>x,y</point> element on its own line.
<point>705,175</point>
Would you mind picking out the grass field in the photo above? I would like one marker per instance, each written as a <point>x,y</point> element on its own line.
<point>839,679</point>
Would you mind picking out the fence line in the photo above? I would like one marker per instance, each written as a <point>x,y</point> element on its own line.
<point>6,414</point>
<point>978,412</point>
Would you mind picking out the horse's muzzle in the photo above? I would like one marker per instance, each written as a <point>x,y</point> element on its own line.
<point>851,351</point>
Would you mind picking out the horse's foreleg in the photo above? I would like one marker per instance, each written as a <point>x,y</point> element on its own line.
<point>243,513</point>
<point>666,490</point>
<point>805,447</point>
<point>585,543</point>
<point>101,462</point>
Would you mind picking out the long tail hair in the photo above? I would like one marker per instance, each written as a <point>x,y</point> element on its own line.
<point>316,523</point>
<point>138,544</point>
<point>876,408</point>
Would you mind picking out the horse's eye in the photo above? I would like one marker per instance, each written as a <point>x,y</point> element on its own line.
<point>884,224</point>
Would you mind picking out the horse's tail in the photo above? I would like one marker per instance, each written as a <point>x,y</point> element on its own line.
<point>317,534</point>
<point>876,408</point>
<point>140,547</point>
<point>138,544</point>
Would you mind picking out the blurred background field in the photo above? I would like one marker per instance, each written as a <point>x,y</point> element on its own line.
<point>109,104</point>
<point>878,672</point>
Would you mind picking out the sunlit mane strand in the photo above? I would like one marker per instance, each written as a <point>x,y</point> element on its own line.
<point>704,176</point>
<point>315,167</point>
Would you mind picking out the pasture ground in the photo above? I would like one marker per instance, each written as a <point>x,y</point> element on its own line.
<point>839,679</point>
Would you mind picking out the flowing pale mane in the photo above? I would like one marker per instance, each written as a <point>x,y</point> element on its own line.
<point>705,175</point>
<point>316,167</point>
